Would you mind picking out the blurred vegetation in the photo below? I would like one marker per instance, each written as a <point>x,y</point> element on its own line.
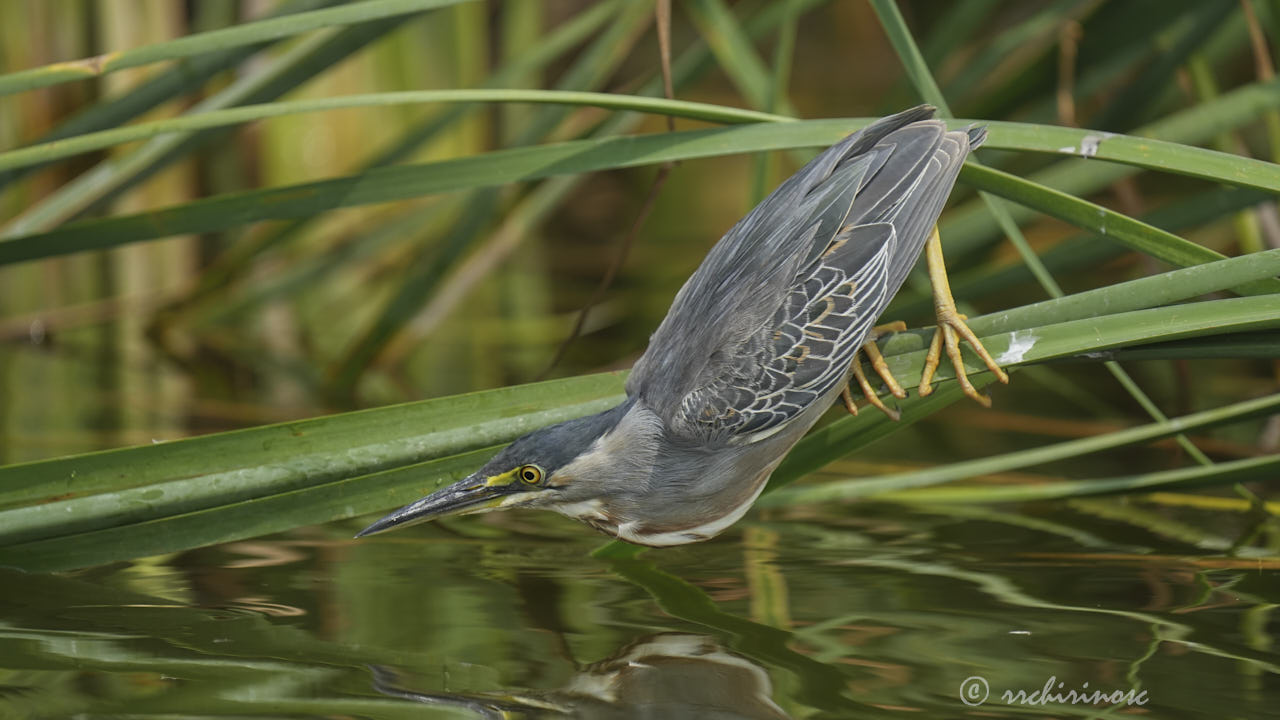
<point>379,292</point>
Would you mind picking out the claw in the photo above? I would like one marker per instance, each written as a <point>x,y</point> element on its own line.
<point>878,364</point>
<point>847,398</point>
<point>951,330</point>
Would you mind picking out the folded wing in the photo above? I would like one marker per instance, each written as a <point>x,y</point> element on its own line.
<point>770,322</point>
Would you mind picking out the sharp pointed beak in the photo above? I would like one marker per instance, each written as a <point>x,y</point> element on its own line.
<point>472,494</point>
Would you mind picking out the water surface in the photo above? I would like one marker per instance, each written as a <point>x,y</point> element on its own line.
<point>877,611</point>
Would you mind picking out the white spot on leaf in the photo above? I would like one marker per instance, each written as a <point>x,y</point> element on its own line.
<point>1019,344</point>
<point>1090,143</point>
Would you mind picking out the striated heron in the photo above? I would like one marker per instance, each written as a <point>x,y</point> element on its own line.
<point>758,343</point>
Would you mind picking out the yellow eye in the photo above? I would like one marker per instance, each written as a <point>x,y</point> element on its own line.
<point>530,474</point>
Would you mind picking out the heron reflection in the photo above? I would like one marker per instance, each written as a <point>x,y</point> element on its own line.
<point>669,675</point>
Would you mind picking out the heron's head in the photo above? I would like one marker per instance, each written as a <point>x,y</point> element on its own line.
<point>552,468</point>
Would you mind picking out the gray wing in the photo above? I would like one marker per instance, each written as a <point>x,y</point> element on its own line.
<point>770,322</point>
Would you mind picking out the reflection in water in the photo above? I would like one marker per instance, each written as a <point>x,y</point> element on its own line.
<point>876,616</point>
<point>669,675</point>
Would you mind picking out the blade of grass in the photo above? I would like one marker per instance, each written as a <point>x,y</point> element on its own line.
<point>505,166</point>
<point>1079,251</point>
<point>738,59</point>
<point>1226,473</point>
<point>968,228</point>
<point>1157,523</point>
<point>1143,150</point>
<point>1136,151</point>
<point>848,489</point>
<point>109,488</point>
<point>1207,503</point>
<point>213,41</point>
<point>43,153</point>
<point>1161,289</point>
<point>1264,346</point>
<point>1133,234</point>
<point>895,26</point>
<point>338,499</point>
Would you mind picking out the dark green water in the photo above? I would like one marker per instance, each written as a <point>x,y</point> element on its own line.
<point>882,611</point>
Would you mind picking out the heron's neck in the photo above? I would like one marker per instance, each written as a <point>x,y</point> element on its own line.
<point>618,465</point>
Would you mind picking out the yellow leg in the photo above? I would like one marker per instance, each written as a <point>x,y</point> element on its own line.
<point>951,329</point>
<point>882,369</point>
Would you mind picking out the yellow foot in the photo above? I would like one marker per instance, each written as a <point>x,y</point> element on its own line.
<point>878,364</point>
<point>951,330</point>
